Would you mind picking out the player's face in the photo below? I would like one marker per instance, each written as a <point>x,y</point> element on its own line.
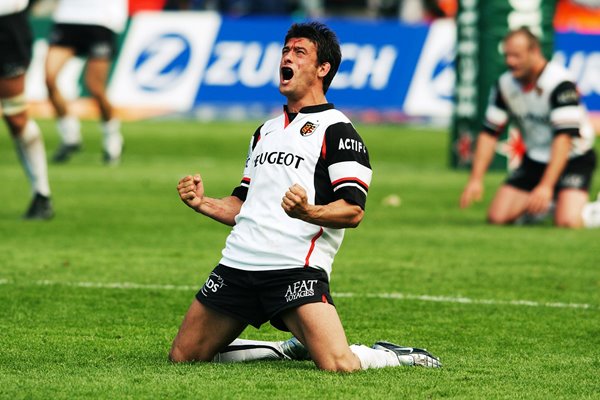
<point>299,70</point>
<point>519,57</point>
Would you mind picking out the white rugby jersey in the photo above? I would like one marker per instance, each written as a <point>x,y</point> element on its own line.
<point>8,7</point>
<point>111,14</point>
<point>550,107</point>
<point>319,150</point>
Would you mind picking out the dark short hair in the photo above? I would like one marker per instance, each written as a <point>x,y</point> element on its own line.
<point>533,40</point>
<point>326,41</point>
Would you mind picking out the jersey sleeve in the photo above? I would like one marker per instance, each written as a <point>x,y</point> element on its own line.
<point>347,161</point>
<point>566,110</point>
<point>241,191</point>
<point>496,113</point>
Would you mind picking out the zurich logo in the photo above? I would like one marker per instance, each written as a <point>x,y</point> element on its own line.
<point>443,76</point>
<point>163,62</point>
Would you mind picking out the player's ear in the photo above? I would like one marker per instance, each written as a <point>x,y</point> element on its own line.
<point>323,69</point>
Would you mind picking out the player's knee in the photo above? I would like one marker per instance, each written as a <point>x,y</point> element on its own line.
<point>568,222</point>
<point>179,355</point>
<point>182,354</point>
<point>340,363</point>
<point>51,84</point>
<point>13,106</point>
<point>496,218</point>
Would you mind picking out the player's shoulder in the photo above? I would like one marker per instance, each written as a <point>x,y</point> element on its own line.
<point>555,75</point>
<point>272,123</point>
<point>334,116</point>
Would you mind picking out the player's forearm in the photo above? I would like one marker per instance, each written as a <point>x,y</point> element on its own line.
<point>484,152</point>
<point>559,156</point>
<point>223,210</point>
<point>338,214</point>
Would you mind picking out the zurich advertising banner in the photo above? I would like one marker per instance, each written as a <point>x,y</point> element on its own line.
<point>185,61</point>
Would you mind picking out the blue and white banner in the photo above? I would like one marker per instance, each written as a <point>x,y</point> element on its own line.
<point>185,61</point>
<point>581,55</point>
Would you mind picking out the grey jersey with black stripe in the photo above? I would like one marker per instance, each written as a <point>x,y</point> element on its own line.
<point>552,106</point>
<point>321,151</point>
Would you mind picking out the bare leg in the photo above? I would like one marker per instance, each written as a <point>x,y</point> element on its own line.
<point>318,327</point>
<point>203,333</point>
<point>29,144</point>
<point>569,208</point>
<point>508,204</point>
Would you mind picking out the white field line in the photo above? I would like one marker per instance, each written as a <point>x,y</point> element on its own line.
<point>393,296</point>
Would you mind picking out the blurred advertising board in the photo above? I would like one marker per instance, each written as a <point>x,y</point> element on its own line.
<point>208,65</point>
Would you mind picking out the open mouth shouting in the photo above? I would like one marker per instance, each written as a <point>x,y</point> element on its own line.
<point>286,73</point>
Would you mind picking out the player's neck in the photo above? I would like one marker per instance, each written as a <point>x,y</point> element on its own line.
<point>536,71</point>
<point>311,99</point>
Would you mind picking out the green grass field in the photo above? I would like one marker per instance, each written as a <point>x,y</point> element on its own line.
<point>90,301</point>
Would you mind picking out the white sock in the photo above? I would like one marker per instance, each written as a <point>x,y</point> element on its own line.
<point>374,358</point>
<point>249,350</point>
<point>31,151</point>
<point>69,129</point>
<point>112,139</point>
<point>591,214</point>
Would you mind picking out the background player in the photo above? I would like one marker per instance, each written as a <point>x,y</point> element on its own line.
<point>85,28</point>
<point>306,179</point>
<point>559,164</point>
<point>15,42</point>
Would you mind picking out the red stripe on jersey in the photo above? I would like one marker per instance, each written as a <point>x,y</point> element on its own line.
<point>350,180</point>
<point>287,120</point>
<point>324,299</point>
<point>246,180</point>
<point>324,149</point>
<point>312,246</point>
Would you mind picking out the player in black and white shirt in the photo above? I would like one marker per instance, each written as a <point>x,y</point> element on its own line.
<point>88,29</point>
<point>541,98</point>
<point>306,178</point>
<point>15,54</point>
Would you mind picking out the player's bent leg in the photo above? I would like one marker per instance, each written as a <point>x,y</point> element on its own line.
<point>56,59</point>
<point>318,327</point>
<point>508,204</point>
<point>569,208</point>
<point>203,333</point>
<point>96,76</point>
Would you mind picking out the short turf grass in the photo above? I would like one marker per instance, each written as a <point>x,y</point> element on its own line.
<point>90,301</point>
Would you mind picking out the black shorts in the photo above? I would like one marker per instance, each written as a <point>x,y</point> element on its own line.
<point>256,297</point>
<point>15,44</point>
<point>91,41</point>
<point>577,174</point>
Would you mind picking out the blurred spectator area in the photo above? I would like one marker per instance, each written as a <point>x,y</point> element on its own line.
<point>577,16</point>
<point>408,10</point>
<point>571,15</point>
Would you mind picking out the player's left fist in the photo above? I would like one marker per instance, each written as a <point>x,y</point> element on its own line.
<point>294,201</point>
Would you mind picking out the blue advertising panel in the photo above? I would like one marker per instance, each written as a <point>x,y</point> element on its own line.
<point>379,59</point>
<point>581,55</point>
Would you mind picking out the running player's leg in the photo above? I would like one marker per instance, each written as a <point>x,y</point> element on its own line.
<point>68,125</point>
<point>29,144</point>
<point>96,76</point>
<point>56,59</point>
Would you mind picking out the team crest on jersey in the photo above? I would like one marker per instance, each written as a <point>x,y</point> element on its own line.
<point>308,129</point>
